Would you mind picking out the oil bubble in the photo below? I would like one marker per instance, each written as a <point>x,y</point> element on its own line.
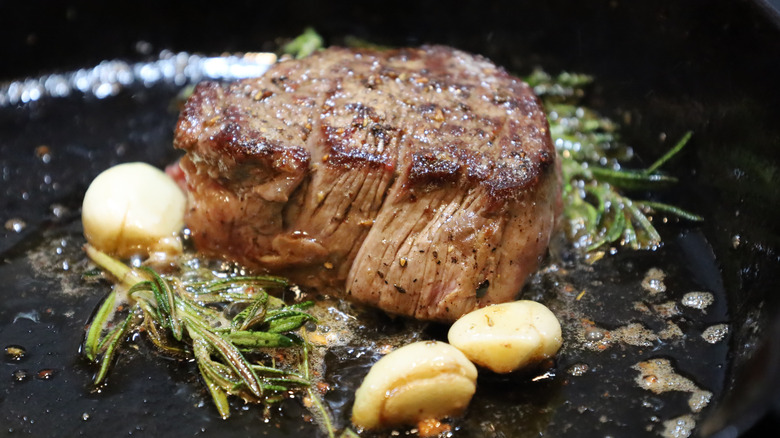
<point>15,352</point>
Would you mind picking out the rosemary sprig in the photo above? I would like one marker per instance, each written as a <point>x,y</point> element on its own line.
<point>189,318</point>
<point>304,44</point>
<point>597,212</point>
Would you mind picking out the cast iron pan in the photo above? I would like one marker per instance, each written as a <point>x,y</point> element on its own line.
<point>662,67</point>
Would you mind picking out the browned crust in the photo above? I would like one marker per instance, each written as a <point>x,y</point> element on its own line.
<point>516,150</point>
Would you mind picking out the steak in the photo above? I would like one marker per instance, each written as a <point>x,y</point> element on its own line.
<point>422,181</point>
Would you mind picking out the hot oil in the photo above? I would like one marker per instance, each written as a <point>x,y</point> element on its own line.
<point>637,344</point>
<point>635,330</point>
<point>619,314</point>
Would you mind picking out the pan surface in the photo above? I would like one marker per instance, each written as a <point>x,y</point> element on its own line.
<point>662,68</point>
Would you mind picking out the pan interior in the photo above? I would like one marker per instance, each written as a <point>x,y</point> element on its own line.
<point>629,328</point>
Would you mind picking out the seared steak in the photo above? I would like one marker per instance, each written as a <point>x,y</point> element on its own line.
<point>422,181</point>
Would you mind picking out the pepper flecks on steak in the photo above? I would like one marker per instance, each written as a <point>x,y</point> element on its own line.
<point>422,181</point>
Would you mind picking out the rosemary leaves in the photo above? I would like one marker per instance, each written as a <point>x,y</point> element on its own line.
<point>597,213</point>
<point>190,319</point>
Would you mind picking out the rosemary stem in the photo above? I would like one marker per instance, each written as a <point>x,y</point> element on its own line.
<point>122,272</point>
<point>104,314</point>
<point>315,399</point>
<point>669,154</point>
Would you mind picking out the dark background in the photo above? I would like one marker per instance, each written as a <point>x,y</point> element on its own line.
<point>709,66</point>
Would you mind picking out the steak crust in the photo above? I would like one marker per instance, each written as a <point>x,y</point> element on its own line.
<point>422,181</point>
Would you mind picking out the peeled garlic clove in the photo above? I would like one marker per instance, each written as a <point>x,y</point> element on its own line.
<point>416,382</point>
<point>133,208</point>
<point>506,337</point>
